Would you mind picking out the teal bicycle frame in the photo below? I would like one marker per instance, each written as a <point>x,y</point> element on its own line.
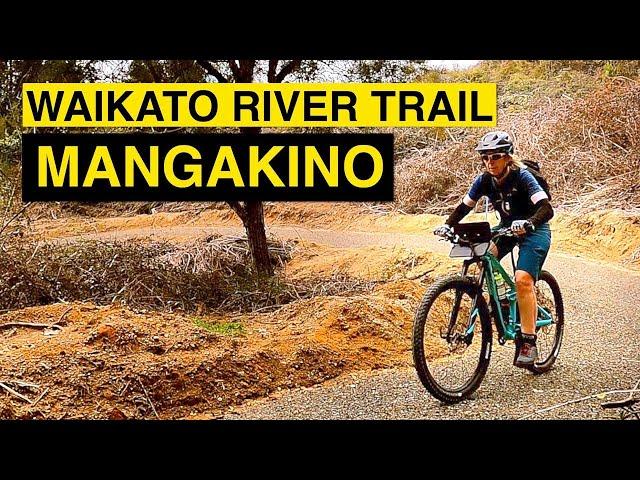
<point>508,327</point>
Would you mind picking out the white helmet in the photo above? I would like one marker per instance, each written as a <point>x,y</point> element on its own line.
<point>498,141</point>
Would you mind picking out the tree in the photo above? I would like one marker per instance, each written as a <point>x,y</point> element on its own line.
<point>273,71</point>
<point>166,71</point>
<point>383,71</point>
<point>14,73</point>
<point>252,212</point>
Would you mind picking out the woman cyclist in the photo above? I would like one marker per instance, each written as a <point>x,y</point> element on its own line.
<point>524,206</point>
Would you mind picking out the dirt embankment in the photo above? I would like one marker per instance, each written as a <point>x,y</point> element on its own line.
<point>111,362</point>
<point>114,362</point>
<point>611,235</point>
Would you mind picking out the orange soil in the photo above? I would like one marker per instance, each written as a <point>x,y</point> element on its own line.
<point>111,362</point>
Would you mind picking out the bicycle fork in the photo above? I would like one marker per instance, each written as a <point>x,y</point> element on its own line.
<point>473,315</point>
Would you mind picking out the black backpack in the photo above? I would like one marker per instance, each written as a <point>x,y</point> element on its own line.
<point>534,168</point>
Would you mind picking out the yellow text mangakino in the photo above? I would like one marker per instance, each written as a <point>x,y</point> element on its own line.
<point>184,166</point>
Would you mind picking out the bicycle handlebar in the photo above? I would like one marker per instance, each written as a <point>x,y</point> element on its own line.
<point>502,232</point>
<point>507,232</point>
<point>452,237</point>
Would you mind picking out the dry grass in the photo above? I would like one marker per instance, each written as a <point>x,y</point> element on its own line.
<point>213,274</point>
<point>588,148</point>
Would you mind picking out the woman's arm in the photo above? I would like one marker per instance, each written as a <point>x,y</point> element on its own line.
<point>469,201</point>
<point>543,213</point>
<point>458,214</point>
<point>539,198</point>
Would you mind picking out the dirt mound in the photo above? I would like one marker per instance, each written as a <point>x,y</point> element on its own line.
<point>340,217</point>
<point>46,229</point>
<point>611,235</point>
<point>310,213</point>
<point>616,231</point>
<point>112,362</point>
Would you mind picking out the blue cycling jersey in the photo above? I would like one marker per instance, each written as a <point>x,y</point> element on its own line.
<point>515,199</point>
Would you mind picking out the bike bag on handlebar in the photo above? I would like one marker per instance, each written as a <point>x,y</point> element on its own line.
<point>475,238</point>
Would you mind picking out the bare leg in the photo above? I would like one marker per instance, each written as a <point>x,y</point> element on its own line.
<point>527,304</point>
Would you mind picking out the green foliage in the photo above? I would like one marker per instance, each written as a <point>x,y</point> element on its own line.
<point>308,71</point>
<point>14,73</point>
<point>621,68</point>
<point>608,70</point>
<point>385,71</point>
<point>222,328</point>
<point>165,71</point>
<point>10,146</point>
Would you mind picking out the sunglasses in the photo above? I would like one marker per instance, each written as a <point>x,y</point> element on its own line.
<point>492,156</point>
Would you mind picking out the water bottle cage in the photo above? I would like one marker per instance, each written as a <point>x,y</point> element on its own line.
<point>501,285</point>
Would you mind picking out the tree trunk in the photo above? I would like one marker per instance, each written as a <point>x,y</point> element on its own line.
<point>251,212</point>
<point>254,225</point>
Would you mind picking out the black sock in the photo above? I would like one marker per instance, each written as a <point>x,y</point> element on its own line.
<point>530,339</point>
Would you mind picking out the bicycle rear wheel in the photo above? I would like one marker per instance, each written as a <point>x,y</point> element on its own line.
<point>549,337</point>
<point>451,354</point>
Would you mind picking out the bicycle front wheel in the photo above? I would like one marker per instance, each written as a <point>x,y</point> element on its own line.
<point>452,338</point>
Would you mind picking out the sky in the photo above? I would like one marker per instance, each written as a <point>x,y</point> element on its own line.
<point>107,68</point>
<point>453,64</point>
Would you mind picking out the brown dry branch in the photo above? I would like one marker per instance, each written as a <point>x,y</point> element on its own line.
<point>14,393</point>
<point>211,274</point>
<point>582,399</point>
<point>146,394</point>
<point>40,397</point>
<point>30,325</point>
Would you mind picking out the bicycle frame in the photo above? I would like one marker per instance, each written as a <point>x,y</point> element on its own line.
<point>507,328</point>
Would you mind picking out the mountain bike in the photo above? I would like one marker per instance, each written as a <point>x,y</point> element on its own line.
<point>452,330</point>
